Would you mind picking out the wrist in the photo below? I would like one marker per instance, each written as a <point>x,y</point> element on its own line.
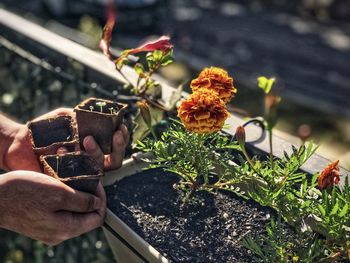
<point>8,131</point>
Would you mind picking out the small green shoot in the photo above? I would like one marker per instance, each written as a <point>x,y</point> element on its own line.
<point>101,104</point>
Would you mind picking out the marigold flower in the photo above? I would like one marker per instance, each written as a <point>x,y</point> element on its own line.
<point>216,79</point>
<point>203,112</point>
<point>329,176</point>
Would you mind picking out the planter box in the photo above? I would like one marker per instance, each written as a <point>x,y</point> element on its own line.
<point>135,203</point>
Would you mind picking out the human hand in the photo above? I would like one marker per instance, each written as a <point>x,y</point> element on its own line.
<point>45,209</point>
<point>115,158</point>
<point>109,161</point>
<point>20,155</point>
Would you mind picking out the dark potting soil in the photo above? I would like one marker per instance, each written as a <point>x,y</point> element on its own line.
<point>207,229</point>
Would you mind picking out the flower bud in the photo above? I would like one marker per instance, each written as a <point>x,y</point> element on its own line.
<point>240,135</point>
<point>304,132</point>
<point>145,112</point>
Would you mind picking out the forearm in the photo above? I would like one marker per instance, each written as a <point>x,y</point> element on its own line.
<point>8,131</point>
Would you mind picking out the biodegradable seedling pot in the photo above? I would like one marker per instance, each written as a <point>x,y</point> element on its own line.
<point>48,135</point>
<point>78,170</point>
<point>99,121</point>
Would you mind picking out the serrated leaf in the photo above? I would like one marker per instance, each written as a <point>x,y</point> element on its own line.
<point>344,210</point>
<point>321,209</point>
<point>335,209</point>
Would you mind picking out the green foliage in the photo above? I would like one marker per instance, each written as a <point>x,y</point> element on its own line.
<point>145,66</point>
<point>303,206</point>
<point>318,221</point>
<point>194,157</point>
<point>279,244</point>
<point>266,84</point>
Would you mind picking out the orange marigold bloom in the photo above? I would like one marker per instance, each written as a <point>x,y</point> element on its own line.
<point>215,79</point>
<point>203,112</point>
<point>329,176</point>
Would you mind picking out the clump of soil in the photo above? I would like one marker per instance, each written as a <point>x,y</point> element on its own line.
<point>207,229</point>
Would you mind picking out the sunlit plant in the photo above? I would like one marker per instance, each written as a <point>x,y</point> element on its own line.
<point>313,210</point>
<point>101,104</point>
<point>190,148</point>
<point>145,59</point>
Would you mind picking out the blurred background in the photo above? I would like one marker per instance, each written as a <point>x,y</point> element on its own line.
<point>305,44</point>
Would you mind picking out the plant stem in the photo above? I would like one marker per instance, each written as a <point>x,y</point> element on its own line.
<point>271,149</point>
<point>150,127</point>
<point>143,89</point>
<point>248,159</point>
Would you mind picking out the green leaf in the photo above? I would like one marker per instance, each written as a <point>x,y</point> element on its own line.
<point>167,62</point>
<point>265,84</point>
<point>121,62</point>
<point>344,210</point>
<point>335,209</point>
<point>157,55</point>
<point>139,69</point>
<point>321,209</point>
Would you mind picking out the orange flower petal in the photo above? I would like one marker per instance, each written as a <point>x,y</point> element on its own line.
<point>203,112</point>
<point>215,79</point>
<point>329,176</point>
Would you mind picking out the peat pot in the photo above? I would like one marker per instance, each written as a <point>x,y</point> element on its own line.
<point>47,135</point>
<point>100,119</point>
<point>78,170</point>
<point>147,222</point>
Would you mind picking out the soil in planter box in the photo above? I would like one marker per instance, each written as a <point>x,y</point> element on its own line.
<point>208,229</point>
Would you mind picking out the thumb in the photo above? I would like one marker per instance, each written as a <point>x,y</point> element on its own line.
<point>82,202</point>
